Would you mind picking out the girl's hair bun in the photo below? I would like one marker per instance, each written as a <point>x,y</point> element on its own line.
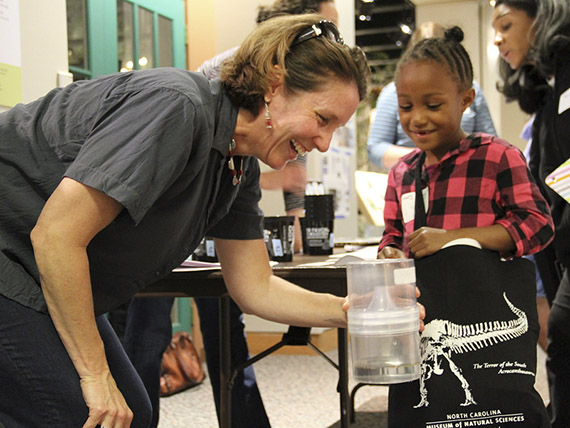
<point>454,34</point>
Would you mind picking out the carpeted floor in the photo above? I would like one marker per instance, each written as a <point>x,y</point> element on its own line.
<point>298,392</point>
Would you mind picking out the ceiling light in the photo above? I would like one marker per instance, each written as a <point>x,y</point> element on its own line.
<point>405,28</point>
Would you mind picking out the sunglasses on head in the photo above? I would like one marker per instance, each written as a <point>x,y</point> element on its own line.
<point>323,28</point>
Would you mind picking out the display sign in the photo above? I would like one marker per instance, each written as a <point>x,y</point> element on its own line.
<point>10,54</point>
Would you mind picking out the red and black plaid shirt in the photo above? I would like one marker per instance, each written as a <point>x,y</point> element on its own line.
<point>484,181</point>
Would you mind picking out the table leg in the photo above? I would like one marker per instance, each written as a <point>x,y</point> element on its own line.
<point>343,378</point>
<point>225,364</point>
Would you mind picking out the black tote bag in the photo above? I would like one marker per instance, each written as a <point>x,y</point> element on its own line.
<point>479,344</point>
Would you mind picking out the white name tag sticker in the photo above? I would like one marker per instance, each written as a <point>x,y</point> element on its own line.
<point>277,248</point>
<point>405,276</point>
<point>409,204</point>
<point>564,101</point>
<point>210,248</point>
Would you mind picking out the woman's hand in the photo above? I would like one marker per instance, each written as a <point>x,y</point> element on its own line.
<point>345,304</point>
<point>106,404</point>
<point>422,310</point>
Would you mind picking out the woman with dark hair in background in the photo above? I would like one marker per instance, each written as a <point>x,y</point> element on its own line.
<point>533,38</point>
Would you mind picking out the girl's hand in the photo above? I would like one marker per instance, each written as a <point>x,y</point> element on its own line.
<point>427,240</point>
<point>390,253</point>
<point>107,407</point>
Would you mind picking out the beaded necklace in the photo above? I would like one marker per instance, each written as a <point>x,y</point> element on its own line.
<point>236,175</point>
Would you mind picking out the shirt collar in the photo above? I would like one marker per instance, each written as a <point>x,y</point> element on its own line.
<point>469,142</point>
<point>225,117</point>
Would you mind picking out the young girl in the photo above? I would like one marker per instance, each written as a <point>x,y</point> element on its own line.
<point>474,186</point>
<point>479,186</point>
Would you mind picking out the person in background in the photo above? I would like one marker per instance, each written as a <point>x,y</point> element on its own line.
<point>143,325</point>
<point>509,215</point>
<point>533,39</point>
<point>248,410</point>
<point>542,302</point>
<point>110,183</point>
<point>293,178</point>
<point>387,141</point>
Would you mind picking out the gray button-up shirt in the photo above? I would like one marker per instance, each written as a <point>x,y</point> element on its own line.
<point>154,140</point>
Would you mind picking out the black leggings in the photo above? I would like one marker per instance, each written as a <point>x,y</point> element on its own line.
<point>558,351</point>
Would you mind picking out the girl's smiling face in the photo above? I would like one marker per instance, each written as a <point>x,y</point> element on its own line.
<point>303,121</point>
<point>430,105</point>
<point>513,34</point>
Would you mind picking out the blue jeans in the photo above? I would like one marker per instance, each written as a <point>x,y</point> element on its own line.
<point>39,386</point>
<point>247,406</point>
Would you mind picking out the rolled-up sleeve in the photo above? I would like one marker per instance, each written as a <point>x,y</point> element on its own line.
<point>527,219</point>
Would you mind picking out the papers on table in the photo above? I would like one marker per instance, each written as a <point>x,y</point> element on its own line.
<point>559,180</point>
<point>363,254</point>
<point>198,265</point>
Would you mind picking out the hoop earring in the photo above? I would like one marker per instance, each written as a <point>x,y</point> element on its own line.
<point>268,124</point>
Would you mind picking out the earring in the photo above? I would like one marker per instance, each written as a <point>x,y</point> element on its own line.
<point>268,124</point>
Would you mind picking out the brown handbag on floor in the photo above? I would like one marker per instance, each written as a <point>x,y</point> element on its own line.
<point>181,366</point>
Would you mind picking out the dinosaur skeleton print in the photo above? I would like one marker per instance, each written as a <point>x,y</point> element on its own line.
<point>442,339</point>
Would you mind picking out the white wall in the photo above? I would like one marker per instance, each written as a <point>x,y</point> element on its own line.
<point>464,14</point>
<point>43,33</point>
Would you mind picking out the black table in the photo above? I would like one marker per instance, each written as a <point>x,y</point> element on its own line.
<point>305,271</point>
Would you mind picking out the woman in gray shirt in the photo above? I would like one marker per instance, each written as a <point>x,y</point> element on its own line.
<point>109,184</point>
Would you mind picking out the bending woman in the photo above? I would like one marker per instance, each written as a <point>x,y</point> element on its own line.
<point>109,184</point>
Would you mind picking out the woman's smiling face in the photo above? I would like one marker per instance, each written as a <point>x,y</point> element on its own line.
<point>303,121</point>
<point>513,34</point>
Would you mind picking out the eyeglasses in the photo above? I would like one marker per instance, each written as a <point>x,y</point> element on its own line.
<point>323,28</point>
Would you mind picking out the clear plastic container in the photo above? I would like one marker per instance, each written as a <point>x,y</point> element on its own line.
<point>383,321</point>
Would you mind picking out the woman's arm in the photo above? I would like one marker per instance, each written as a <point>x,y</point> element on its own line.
<point>256,290</point>
<point>72,216</point>
<point>292,178</point>
<point>483,119</point>
<point>382,137</point>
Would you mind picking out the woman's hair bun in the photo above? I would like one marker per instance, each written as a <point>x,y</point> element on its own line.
<point>454,34</point>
